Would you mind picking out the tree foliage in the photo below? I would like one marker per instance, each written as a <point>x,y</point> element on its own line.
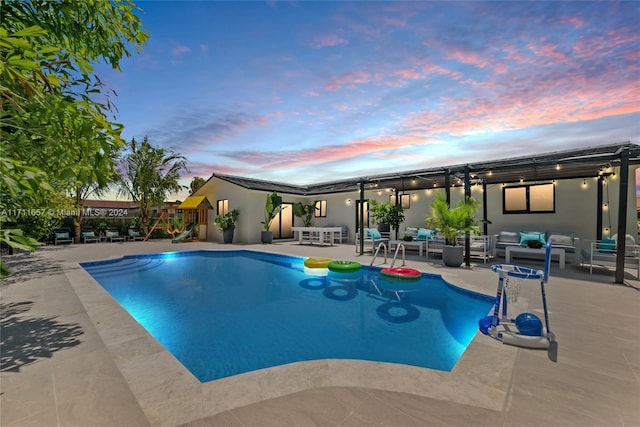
<point>148,175</point>
<point>57,135</point>
<point>196,183</point>
<point>453,222</point>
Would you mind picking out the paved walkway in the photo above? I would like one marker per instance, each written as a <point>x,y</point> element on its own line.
<point>71,357</point>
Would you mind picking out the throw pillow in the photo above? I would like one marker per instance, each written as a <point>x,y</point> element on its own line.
<point>424,234</point>
<point>524,237</point>
<point>62,235</point>
<point>373,234</point>
<point>606,245</point>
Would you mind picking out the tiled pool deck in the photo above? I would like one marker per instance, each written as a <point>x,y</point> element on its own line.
<point>72,357</point>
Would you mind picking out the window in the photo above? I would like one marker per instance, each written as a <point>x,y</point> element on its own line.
<point>365,207</point>
<point>223,206</point>
<point>535,198</point>
<point>405,200</point>
<point>321,209</point>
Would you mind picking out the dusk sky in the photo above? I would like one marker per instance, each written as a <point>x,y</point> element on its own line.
<point>307,92</point>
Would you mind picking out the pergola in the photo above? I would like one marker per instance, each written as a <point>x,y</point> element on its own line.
<point>591,162</point>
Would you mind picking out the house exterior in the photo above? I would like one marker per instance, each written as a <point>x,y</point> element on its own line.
<point>576,191</point>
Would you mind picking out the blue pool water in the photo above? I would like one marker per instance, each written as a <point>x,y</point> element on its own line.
<point>222,313</point>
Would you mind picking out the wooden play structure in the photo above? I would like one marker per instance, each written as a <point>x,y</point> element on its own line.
<point>187,222</point>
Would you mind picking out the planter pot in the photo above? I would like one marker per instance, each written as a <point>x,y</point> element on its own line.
<point>452,256</point>
<point>384,228</point>
<point>227,235</point>
<point>266,236</point>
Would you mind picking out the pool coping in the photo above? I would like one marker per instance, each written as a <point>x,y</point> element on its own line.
<point>170,395</point>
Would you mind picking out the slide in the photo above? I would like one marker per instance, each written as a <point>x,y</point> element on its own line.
<point>187,231</point>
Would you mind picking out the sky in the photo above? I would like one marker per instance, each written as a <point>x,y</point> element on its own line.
<point>307,92</point>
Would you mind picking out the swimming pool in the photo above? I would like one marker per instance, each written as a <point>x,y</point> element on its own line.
<point>222,313</point>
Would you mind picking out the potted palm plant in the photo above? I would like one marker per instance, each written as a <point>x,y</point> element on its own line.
<point>305,212</point>
<point>227,224</point>
<point>272,208</point>
<point>452,223</point>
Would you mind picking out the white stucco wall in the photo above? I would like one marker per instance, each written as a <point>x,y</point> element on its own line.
<point>575,208</point>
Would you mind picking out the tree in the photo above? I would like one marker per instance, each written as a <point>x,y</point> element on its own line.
<point>47,49</point>
<point>196,183</point>
<point>148,175</point>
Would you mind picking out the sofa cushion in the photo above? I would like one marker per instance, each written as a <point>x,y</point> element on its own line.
<point>509,237</point>
<point>61,235</point>
<point>560,239</point>
<point>628,240</point>
<point>411,231</point>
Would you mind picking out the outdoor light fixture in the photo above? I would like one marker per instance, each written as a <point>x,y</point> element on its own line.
<point>348,202</point>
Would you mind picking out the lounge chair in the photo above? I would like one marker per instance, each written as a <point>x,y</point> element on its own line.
<point>604,253</point>
<point>89,236</point>
<point>135,235</point>
<point>114,236</point>
<point>372,239</point>
<point>62,235</point>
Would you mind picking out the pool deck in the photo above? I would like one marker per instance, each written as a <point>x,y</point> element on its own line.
<point>71,356</point>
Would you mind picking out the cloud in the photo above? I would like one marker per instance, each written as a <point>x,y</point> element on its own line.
<point>180,50</point>
<point>329,40</point>
<point>196,131</point>
<point>349,80</point>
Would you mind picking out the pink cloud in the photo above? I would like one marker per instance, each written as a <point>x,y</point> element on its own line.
<point>471,58</point>
<point>550,51</point>
<point>408,74</point>
<point>395,22</point>
<point>349,79</point>
<point>329,40</point>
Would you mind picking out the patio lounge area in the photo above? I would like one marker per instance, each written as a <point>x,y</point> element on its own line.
<point>71,356</point>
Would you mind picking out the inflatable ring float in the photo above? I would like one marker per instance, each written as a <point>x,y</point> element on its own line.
<point>317,262</point>
<point>401,273</point>
<point>344,266</point>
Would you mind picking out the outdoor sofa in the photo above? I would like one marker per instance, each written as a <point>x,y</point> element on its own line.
<point>604,253</point>
<point>561,240</point>
<point>481,247</point>
<point>372,239</point>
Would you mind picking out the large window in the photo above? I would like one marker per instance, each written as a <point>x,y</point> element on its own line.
<point>321,209</point>
<point>534,198</point>
<point>223,206</point>
<point>405,200</point>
